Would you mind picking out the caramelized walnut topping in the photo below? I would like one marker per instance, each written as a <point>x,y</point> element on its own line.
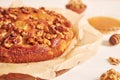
<point>25,10</point>
<point>12,16</point>
<point>1,16</point>
<point>32,35</point>
<point>31,41</point>
<point>50,36</point>
<point>1,10</point>
<point>31,26</point>
<point>39,33</point>
<point>110,75</point>
<point>11,40</point>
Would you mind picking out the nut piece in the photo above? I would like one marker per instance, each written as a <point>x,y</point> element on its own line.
<point>114,39</point>
<point>114,61</point>
<point>110,75</point>
<point>76,5</point>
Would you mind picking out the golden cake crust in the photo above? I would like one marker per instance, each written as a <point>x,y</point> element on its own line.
<point>32,35</point>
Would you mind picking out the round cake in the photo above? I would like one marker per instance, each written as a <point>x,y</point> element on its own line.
<point>21,76</point>
<point>18,76</point>
<point>32,35</point>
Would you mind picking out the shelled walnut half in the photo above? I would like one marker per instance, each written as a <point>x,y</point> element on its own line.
<point>114,61</point>
<point>110,75</point>
<point>76,5</point>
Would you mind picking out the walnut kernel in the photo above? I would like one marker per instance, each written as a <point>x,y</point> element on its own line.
<point>76,6</point>
<point>110,75</point>
<point>114,61</point>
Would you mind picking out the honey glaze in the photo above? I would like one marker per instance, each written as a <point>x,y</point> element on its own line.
<point>105,24</point>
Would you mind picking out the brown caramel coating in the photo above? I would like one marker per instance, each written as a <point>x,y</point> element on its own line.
<point>18,76</point>
<point>32,35</point>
